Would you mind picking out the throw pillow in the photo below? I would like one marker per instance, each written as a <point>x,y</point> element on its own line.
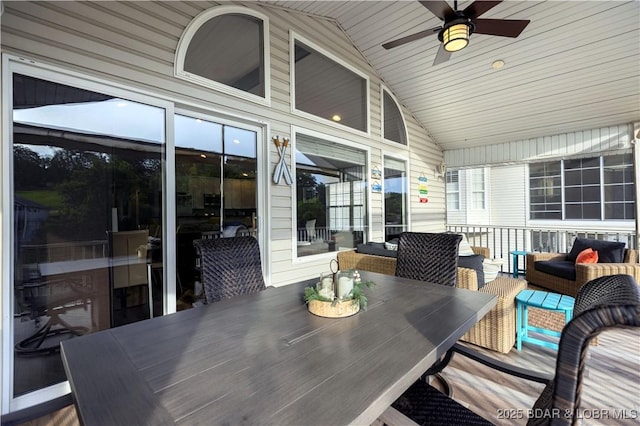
<point>588,255</point>
<point>608,251</point>
<point>491,268</point>
<point>464,249</point>
<point>473,262</point>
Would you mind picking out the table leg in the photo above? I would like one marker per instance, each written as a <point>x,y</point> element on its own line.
<point>515,266</point>
<point>519,326</point>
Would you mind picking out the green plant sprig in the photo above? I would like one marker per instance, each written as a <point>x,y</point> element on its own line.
<point>356,295</point>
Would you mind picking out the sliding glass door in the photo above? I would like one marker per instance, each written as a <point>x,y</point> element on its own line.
<point>216,192</point>
<point>87,219</point>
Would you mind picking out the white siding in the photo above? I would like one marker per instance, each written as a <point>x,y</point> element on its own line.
<point>567,144</point>
<point>133,44</point>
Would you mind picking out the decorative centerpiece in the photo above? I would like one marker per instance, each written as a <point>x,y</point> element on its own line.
<point>337,295</point>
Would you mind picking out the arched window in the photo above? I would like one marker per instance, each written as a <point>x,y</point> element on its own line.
<point>226,48</point>
<point>393,126</point>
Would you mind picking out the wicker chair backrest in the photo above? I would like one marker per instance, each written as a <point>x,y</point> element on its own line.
<point>430,257</point>
<point>229,267</point>
<point>603,303</point>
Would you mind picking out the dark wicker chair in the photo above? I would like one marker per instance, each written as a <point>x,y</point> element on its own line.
<point>229,267</point>
<point>601,304</point>
<point>428,257</point>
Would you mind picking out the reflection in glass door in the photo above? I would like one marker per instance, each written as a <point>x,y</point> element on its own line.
<point>216,192</point>
<point>87,240</point>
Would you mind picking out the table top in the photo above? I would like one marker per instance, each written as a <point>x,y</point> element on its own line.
<point>546,300</point>
<point>263,358</point>
<point>519,252</point>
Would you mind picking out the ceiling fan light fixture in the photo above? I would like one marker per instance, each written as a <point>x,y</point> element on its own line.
<point>455,37</point>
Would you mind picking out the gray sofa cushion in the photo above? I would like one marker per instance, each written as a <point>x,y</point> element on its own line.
<point>473,262</point>
<point>559,268</point>
<point>608,251</point>
<point>377,249</point>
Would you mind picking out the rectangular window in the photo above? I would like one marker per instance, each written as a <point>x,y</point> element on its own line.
<point>453,190</point>
<point>478,191</point>
<point>331,195</point>
<point>545,186</point>
<point>594,188</point>
<point>619,200</point>
<point>395,197</point>
<point>328,89</point>
<point>582,189</point>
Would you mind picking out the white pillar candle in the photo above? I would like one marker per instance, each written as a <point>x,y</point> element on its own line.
<point>345,285</point>
<point>327,282</point>
<point>327,293</point>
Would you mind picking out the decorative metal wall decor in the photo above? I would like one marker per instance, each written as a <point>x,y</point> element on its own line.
<point>282,169</point>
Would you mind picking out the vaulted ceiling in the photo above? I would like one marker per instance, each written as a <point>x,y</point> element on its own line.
<point>576,66</point>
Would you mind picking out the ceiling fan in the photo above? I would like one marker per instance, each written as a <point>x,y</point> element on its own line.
<point>458,25</point>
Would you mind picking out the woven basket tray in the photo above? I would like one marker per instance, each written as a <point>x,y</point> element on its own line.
<point>339,310</point>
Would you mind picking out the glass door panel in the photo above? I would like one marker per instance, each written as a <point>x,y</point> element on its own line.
<point>216,193</point>
<point>87,176</point>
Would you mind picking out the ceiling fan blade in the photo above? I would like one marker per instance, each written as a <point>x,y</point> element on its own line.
<point>441,56</point>
<point>439,8</point>
<point>500,27</point>
<point>477,8</point>
<point>410,38</point>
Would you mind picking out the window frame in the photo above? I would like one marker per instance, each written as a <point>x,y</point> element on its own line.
<point>293,37</point>
<point>449,193</point>
<point>407,184</point>
<point>15,65</point>
<point>473,191</point>
<point>601,187</point>
<point>384,89</point>
<point>295,131</point>
<point>193,27</point>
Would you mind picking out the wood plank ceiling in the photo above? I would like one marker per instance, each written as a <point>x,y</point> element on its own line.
<point>575,67</point>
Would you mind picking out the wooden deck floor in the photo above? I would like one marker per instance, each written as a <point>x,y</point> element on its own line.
<point>611,386</point>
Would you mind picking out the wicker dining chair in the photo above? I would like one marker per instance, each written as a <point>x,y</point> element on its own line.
<point>229,267</point>
<point>601,304</point>
<point>428,257</point>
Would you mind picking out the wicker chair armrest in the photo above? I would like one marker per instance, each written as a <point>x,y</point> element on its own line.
<point>586,272</point>
<point>536,256</point>
<point>467,279</point>
<point>350,259</point>
<point>631,256</point>
<point>483,251</point>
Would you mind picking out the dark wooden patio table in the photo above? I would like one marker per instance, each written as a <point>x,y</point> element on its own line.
<point>264,359</point>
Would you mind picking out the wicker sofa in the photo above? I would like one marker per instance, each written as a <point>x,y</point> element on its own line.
<point>585,272</point>
<point>496,330</point>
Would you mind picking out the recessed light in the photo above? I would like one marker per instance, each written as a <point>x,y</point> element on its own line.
<point>203,156</point>
<point>336,117</point>
<point>121,104</point>
<point>497,64</point>
<point>245,174</point>
<point>236,141</point>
